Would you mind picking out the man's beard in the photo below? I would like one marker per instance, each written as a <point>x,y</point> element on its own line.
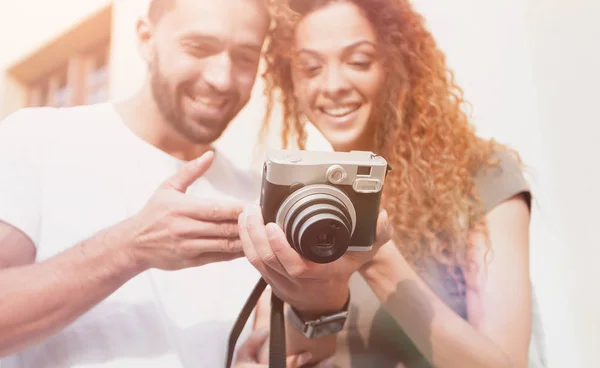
<point>198,132</point>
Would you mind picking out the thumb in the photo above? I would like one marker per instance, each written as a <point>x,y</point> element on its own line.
<point>189,173</point>
<point>249,349</point>
<point>385,230</point>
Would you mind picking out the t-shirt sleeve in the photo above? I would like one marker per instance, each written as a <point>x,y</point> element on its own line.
<point>20,176</point>
<point>502,181</point>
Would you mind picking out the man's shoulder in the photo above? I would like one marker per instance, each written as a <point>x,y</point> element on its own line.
<point>41,119</point>
<point>235,180</point>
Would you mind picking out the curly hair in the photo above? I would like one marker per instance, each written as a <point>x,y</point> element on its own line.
<point>422,130</point>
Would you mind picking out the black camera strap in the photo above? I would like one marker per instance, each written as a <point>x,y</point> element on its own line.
<point>277,348</point>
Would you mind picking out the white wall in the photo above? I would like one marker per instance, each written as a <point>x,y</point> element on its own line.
<point>565,44</point>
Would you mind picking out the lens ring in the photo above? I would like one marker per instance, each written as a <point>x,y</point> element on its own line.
<point>297,219</point>
<point>308,202</point>
<point>315,189</point>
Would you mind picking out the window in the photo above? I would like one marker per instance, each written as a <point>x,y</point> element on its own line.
<point>82,79</point>
<point>72,69</point>
<point>97,78</point>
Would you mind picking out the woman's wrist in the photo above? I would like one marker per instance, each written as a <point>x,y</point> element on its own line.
<point>386,271</point>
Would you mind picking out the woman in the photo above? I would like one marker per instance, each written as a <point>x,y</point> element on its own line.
<point>452,289</point>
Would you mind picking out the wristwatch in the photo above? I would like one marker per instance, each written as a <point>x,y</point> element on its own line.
<point>323,326</point>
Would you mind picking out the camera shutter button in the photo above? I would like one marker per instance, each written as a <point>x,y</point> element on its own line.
<point>336,174</point>
<point>293,158</point>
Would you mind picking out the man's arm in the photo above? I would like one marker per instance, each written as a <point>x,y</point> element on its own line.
<point>38,300</point>
<point>173,231</point>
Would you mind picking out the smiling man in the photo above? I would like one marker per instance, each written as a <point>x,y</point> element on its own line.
<point>116,218</point>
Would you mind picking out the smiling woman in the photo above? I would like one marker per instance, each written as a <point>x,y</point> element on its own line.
<point>369,76</point>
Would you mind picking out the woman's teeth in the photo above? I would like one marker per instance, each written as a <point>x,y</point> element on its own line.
<point>340,111</point>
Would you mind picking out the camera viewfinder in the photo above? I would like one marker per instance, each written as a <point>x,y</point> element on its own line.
<point>364,170</point>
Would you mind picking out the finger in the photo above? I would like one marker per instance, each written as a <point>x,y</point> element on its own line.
<point>293,263</point>
<point>211,210</point>
<point>249,349</point>
<point>189,173</point>
<point>299,360</point>
<point>202,246</point>
<point>188,229</point>
<point>255,227</point>
<point>385,231</point>
<point>208,258</point>
<point>263,310</point>
<point>327,363</point>
<point>247,244</point>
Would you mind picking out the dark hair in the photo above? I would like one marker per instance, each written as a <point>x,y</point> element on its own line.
<point>158,8</point>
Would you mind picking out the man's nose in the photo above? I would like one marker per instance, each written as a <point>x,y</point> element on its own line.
<point>218,72</point>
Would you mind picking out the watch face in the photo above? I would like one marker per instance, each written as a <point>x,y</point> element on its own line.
<point>330,328</point>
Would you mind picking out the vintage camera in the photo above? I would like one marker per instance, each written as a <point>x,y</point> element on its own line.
<point>327,203</point>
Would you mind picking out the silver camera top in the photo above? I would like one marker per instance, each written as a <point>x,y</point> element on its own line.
<point>363,170</point>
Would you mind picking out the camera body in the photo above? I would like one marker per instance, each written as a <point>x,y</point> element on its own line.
<point>327,203</point>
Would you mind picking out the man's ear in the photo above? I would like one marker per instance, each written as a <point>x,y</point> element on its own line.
<point>144,30</point>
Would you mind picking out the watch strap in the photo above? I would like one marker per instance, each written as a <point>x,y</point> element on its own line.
<point>321,326</point>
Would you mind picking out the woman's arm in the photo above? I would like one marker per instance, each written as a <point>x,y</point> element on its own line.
<point>499,327</point>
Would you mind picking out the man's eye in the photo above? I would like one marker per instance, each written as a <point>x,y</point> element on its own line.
<point>246,59</point>
<point>199,49</point>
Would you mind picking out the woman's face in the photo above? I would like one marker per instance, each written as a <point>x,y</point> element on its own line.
<point>337,74</point>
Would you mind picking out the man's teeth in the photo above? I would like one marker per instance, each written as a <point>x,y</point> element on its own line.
<point>210,102</point>
<point>340,111</point>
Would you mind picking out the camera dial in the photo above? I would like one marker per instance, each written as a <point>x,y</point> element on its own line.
<point>336,174</point>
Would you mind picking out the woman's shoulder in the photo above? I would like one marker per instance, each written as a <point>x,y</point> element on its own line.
<point>502,180</point>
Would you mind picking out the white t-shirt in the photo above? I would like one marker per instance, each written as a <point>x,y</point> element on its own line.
<point>68,173</point>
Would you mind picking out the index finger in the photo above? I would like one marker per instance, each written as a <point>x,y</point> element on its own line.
<point>212,210</point>
<point>189,173</point>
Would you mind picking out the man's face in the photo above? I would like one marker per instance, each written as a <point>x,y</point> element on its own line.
<point>203,57</point>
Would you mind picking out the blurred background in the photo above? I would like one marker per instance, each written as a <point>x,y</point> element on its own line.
<point>530,68</point>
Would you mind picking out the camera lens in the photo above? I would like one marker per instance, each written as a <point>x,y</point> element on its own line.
<point>324,238</point>
<point>319,227</point>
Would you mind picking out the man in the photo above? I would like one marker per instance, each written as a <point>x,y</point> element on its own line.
<point>116,219</point>
<point>95,195</point>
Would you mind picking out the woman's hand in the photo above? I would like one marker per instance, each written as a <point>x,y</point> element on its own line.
<point>309,287</point>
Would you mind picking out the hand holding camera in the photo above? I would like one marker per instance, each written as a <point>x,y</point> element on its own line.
<point>323,223</point>
<point>175,231</point>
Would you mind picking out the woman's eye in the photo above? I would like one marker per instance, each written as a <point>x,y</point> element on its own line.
<point>361,63</point>
<point>310,69</point>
